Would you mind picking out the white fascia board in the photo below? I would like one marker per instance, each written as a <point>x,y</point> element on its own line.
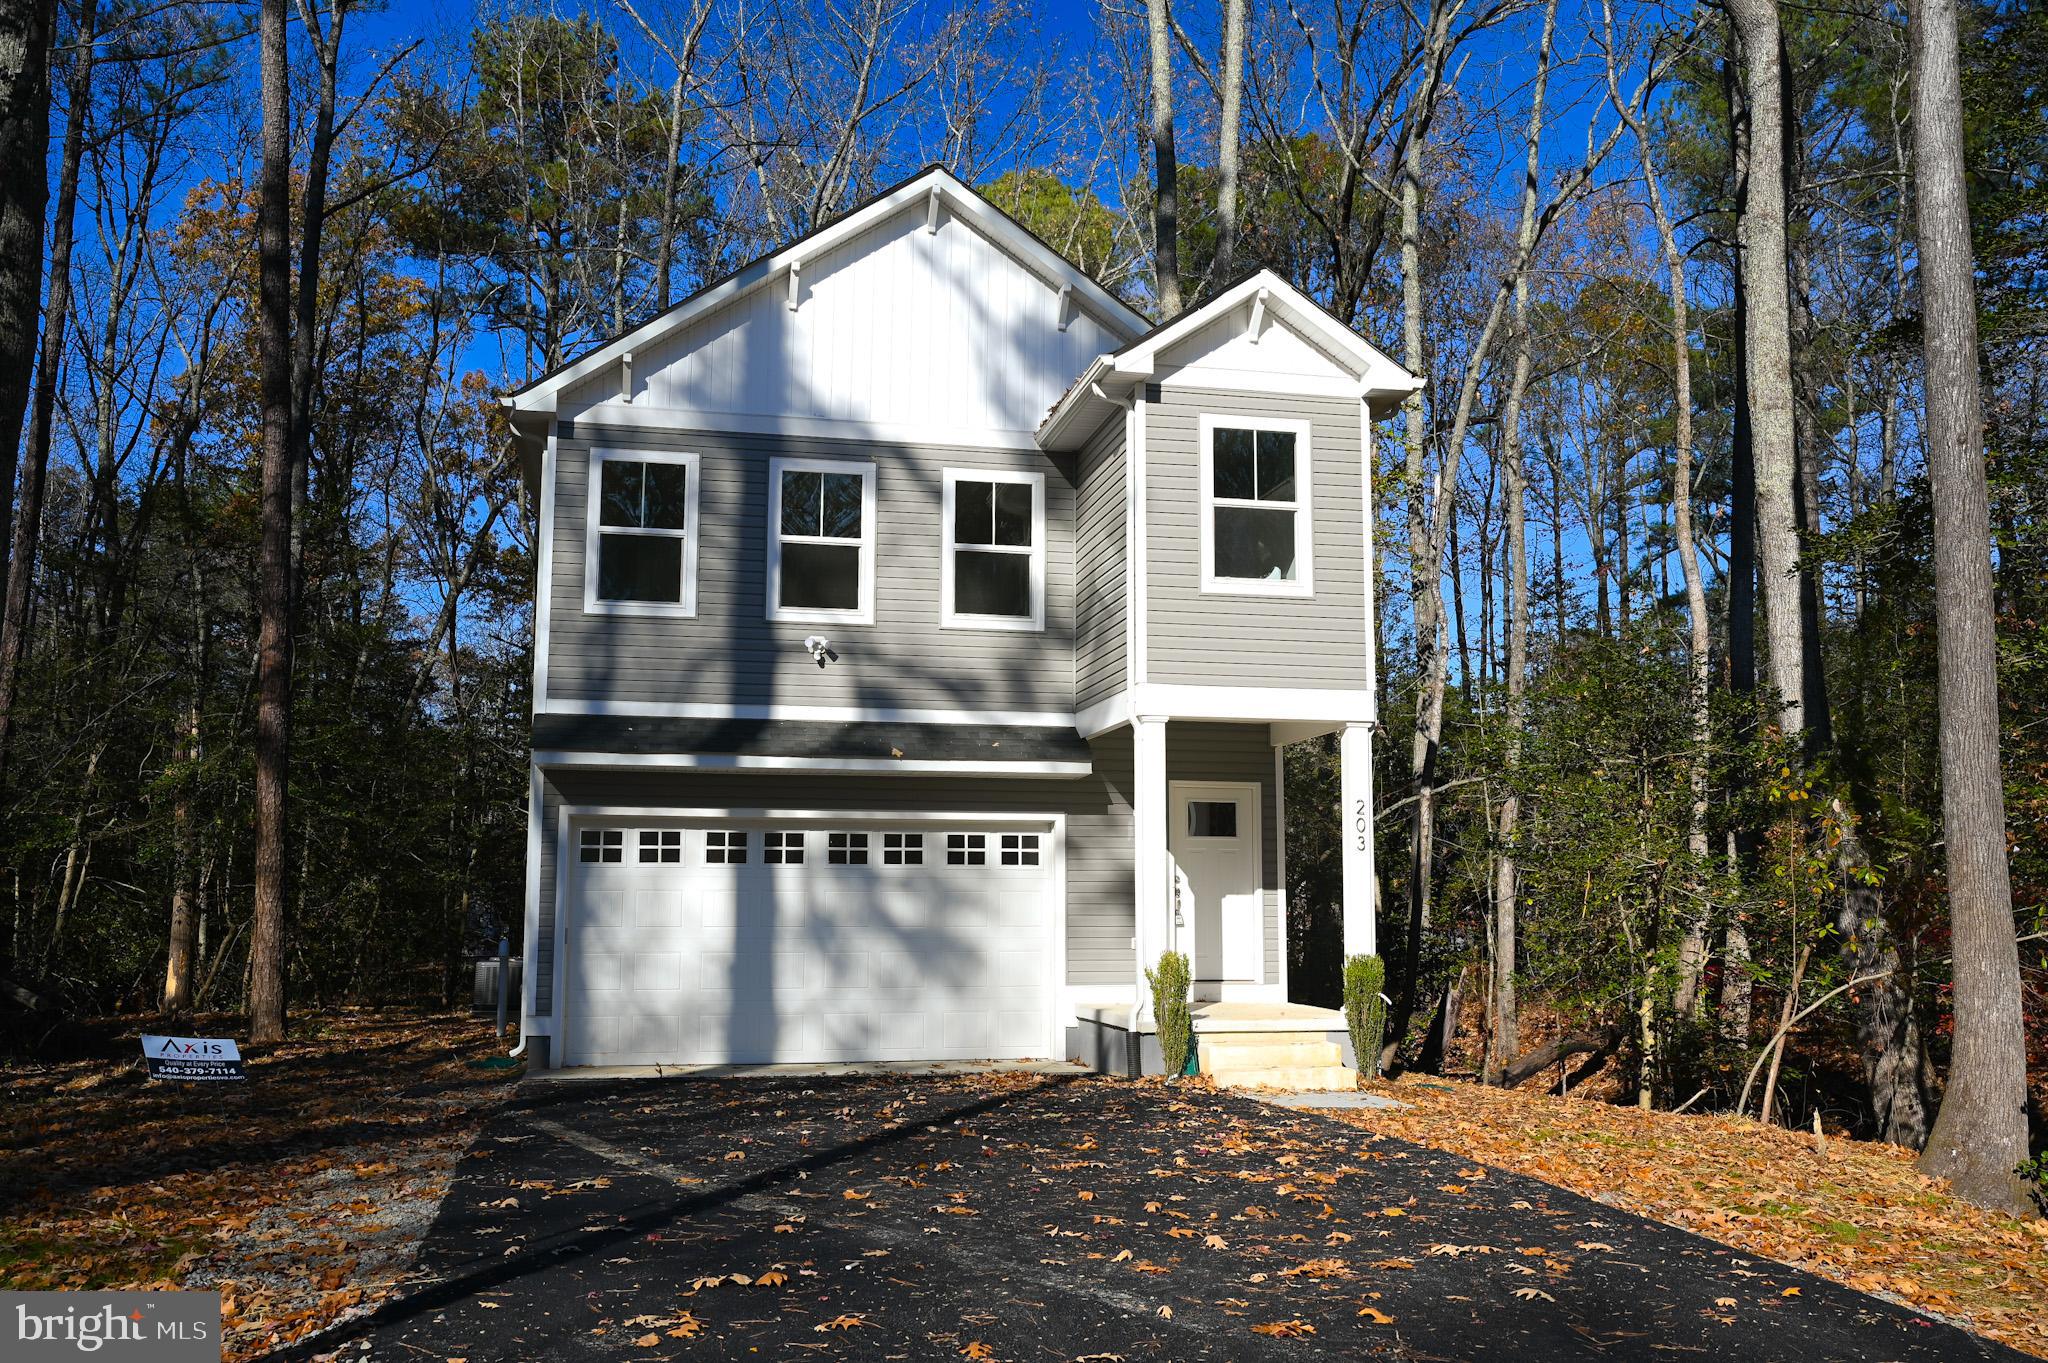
<point>1116,316</point>
<point>1377,372</point>
<point>821,714</point>
<point>806,766</point>
<point>1257,704</point>
<point>678,420</point>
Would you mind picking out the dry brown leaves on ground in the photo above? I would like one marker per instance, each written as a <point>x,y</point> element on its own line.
<point>1853,1211</point>
<point>302,1194</point>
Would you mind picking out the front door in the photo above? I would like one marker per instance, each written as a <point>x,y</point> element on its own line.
<point>1214,838</point>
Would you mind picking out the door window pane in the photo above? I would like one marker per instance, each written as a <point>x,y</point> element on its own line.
<point>1212,818</point>
<point>640,567</point>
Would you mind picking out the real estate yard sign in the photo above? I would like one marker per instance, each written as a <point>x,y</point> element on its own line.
<point>192,1057</point>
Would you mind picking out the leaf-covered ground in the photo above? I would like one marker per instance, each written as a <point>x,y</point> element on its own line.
<point>1035,1219</point>
<point>1856,1212</point>
<point>302,1194</point>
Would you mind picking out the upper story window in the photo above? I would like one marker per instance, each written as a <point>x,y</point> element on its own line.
<point>1256,537</point>
<point>993,568</point>
<point>821,556</point>
<point>642,534</point>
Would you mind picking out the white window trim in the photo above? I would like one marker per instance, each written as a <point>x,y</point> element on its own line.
<point>593,604</point>
<point>1303,584</point>
<point>952,619</point>
<point>865,613</point>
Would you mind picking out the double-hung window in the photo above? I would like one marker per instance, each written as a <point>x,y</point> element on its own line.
<point>994,565</point>
<point>641,535</point>
<point>821,549</point>
<point>1256,537</point>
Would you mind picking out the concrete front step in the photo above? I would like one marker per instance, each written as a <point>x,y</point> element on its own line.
<point>1265,1051</point>
<point>1294,1079</point>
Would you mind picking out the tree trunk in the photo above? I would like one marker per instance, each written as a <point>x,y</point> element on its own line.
<point>179,964</point>
<point>1504,1024</point>
<point>28,512</point>
<point>1692,944</point>
<point>1980,1136</point>
<point>274,569</point>
<point>1165,165</point>
<point>1768,356</point>
<point>1231,100</point>
<point>24,197</point>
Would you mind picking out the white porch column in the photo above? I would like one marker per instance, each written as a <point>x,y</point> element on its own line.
<point>1354,786</point>
<point>1152,920</point>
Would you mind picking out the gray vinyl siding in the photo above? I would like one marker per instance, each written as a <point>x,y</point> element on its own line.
<point>1101,569</point>
<point>1100,887</point>
<point>1224,640</point>
<point>731,654</point>
<point>1238,752</point>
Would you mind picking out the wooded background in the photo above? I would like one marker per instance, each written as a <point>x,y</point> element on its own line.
<point>1661,766</point>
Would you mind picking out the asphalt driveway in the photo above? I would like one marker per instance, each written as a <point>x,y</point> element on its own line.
<point>1021,1217</point>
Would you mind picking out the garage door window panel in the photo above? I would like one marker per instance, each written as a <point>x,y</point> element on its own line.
<point>821,552</point>
<point>601,845</point>
<point>781,848</point>
<point>903,849</point>
<point>846,849</point>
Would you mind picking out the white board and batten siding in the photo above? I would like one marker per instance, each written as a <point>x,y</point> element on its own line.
<point>940,335</point>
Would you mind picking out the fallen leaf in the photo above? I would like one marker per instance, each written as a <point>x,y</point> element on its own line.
<point>1285,1329</point>
<point>1376,1316</point>
<point>1533,1294</point>
<point>841,1322</point>
<point>976,1349</point>
<point>648,1340</point>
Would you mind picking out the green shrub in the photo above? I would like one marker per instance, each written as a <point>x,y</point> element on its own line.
<point>1171,1013</point>
<point>1365,1011</point>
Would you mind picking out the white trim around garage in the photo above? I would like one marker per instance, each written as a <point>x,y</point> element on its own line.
<point>567,815</point>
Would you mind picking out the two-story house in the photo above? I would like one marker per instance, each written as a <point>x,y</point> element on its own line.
<point>917,631</point>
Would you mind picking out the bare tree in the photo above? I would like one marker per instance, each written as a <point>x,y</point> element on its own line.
<point>24,195</point>
<point>19,578</point>
<point>1692,946</point>
<point>1980,1136</point>
<point>1767,354</point>
<point>1504,1031</point>
<point>1165,165</point>
<point>274,567</point>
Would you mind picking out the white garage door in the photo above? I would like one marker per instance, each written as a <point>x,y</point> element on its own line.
<point>776,943</point>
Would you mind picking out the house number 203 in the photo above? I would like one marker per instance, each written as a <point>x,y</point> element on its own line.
<point>1361,825</point>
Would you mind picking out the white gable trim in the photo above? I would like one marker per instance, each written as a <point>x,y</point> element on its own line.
<point>1259,300</point>
<point>934,187</point>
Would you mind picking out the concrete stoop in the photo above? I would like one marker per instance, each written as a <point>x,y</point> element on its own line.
<point>1274,1060</point>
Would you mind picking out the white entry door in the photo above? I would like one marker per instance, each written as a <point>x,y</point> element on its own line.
<point>1215,840</point>
<point>759,943</point>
